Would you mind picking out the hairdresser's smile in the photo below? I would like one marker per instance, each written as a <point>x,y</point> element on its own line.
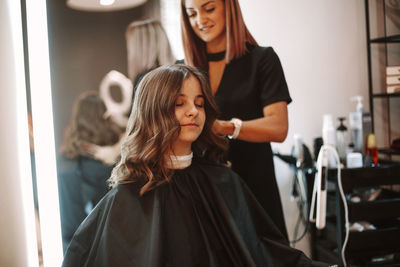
<point>189,111</point>
<point>206,29</point>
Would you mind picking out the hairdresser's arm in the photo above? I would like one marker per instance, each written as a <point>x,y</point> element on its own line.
<point>273,127</point>
<point>109,155</point>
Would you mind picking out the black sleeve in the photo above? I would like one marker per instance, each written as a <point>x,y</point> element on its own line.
<point>272,82</point>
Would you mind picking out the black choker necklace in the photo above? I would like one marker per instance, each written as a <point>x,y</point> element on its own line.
<point>216,56</point>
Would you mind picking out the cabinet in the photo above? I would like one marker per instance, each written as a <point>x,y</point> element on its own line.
<point>371,201</point>
<point>383,48</point>
<point>380,244</point>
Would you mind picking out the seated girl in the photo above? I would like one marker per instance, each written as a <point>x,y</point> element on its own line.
<point>174,202</point>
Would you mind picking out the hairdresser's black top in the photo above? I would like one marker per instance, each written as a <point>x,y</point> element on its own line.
<point>205,216</point>
<point>248,85</point>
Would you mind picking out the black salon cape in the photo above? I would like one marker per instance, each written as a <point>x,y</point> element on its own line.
<point>204,217</point>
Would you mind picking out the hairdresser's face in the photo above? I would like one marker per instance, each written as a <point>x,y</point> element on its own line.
<point>207,18</point>
<point>189,111</point>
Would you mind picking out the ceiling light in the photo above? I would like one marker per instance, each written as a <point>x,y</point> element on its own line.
<point>106,2</point>
<point>104,5</point>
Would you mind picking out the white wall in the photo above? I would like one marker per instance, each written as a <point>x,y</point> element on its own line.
<point>322,47</point>
<point>14,239</point>
<point>12,246</point>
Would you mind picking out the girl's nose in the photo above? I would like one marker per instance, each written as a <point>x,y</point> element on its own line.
<point>192,110</point>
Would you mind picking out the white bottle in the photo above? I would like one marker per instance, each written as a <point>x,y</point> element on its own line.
<point>355,124</point>
<point>329,137</point>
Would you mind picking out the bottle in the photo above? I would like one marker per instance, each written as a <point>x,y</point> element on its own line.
<point>372,150</point>
<point>341,139</point>
<point>366,129</point>
<point>329,138</point>
<point>356,123</point>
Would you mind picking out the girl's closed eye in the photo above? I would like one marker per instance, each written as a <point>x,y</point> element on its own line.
<point>179,103</point>
<point>199,104</point>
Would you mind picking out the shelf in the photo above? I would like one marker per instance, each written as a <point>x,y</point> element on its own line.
<point>389,151</point>
<point>366,176</point>
<point>387,39</point>
<point>387,239</point>
<point>372,210</point>
<point>386,95</point>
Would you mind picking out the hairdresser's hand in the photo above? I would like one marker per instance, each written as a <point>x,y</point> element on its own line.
<point>106,154</point>
<point>223,127</point>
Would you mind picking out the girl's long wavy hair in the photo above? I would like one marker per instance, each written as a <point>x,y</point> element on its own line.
<point>152,128</point>
<point>237,36</point>
<point>88,126</point>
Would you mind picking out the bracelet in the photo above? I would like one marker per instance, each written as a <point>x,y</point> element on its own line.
<point>237,123</point>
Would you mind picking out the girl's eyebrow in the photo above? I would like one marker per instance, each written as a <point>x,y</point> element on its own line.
<point>198,96</point>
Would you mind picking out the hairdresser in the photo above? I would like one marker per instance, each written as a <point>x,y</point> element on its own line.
<point>249,86</point>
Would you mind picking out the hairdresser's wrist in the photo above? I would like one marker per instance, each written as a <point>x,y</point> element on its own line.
<point>237,125</point>
<point>224,127</point>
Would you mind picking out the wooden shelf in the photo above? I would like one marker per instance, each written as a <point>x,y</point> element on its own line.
<point>386,95</point>
<point>387,39</point>
<point>389,151</point>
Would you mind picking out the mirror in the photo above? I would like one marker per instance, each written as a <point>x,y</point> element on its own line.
<point>83,48</point>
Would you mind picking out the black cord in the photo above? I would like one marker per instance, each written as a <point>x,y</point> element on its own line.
<point>301,204</point>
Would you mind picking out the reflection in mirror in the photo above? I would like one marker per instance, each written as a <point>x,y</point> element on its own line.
<point>83,48</point>
<point>82,180</point>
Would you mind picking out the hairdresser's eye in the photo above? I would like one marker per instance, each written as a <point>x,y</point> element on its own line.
<point>191,14</point>
<point>209,10</point>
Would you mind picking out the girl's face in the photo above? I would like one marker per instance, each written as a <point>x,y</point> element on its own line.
<point>207,18</point>
<point>189,111</point>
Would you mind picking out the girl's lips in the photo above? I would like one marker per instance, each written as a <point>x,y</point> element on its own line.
<point>190,124</point>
